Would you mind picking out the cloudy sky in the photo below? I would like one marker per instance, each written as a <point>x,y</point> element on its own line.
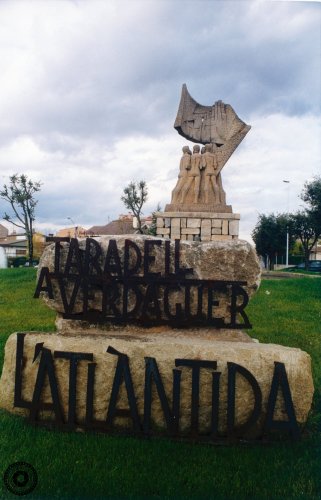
<point>89,92</point>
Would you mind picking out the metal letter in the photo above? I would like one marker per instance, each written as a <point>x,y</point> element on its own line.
<point>44,275</point>
<point>122,373</point>
<point>73,357</point>
<point>171,417</point>
<point>196,365</point>
<point>280,380</point>
<point>18,401</point>
<point>233,369</point>
<point>46,368</point>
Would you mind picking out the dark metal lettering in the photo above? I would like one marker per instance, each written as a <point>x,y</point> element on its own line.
<point>69,306</point>
<point>280,381</point>
<point>218,322</point>
<point>74,358</point>
<point>215,403</point>
<point>46,369</point>
<point>136,250</point>
<point>89,418</point>
<point>196,366</point>
<point>150,259</point>
<point>180,271</point>
<point>188,314</point>
<point>236,292</point>
<point>138,297</point>
<point>18,400</point>
<point>167,258</point>
<point>110,296</point>
<point>92,257</point>
<point>151,299</point>
<point>151,304</point>
<point>38,349</point>
<point>171,417</point>
<point>57,256</point>
<point>56,239</point>
<point>122,373</point>
<point>73,258</point>
<point>112,262</point>
<point>46,372</point>
<point>44,276</point>
<point>83,279</point>
<point>178,307</point>
<point>233,369</point>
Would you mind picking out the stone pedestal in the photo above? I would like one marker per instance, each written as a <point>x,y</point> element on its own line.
<point>198,226</point>
<point>84,399</point>
<point>151,341</point>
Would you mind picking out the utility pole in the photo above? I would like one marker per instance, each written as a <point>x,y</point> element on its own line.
<point>76,227</point>
<point>287,226</point>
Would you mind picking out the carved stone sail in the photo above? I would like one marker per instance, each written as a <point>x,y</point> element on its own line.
<point>215,124</point>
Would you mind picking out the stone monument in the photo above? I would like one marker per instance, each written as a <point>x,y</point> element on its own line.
<point>198,209</point>
<point>151,331</point>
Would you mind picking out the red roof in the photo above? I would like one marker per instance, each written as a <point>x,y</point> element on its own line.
<point>122,226</point>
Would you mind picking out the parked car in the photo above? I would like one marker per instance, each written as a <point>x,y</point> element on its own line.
<point>34,263</point>
<point>314,265</point>
<point>17,261</point>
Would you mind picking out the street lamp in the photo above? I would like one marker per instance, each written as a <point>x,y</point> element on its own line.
<point>287,225</point>
<point>76,228</point>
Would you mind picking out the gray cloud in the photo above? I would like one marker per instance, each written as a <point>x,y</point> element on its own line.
<point>86,85</point>
<point>109,73</point>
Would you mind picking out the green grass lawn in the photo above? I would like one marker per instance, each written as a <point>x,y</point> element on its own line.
<point>78,465</point>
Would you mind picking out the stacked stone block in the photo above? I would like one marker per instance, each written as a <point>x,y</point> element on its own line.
<point>198,226</point>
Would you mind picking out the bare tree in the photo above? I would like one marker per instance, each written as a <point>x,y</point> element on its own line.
<point>134,197</point>
<point>20,194</point>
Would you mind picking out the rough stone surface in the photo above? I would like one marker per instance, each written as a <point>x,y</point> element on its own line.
<point>202,215</point>
<point>224,224</point>
<point>215,260</point>
<point>190,230</point>
<point>176,222</point>
<point>198,207</point>
<point>257,358</point>
<point>221,237</point>
<point>193,222</point>
<point>225,227</point>
<point>233,228</point>
<point>163,230</point>
<point>165,332</point>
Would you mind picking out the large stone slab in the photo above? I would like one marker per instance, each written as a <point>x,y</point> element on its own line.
<point>258,359</point>
<point>161,278</point>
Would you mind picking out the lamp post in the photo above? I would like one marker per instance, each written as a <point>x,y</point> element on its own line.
<point>287,225</point>
<point>76,228</point>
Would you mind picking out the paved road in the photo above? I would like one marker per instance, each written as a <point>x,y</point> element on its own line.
<point>281,275</point>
